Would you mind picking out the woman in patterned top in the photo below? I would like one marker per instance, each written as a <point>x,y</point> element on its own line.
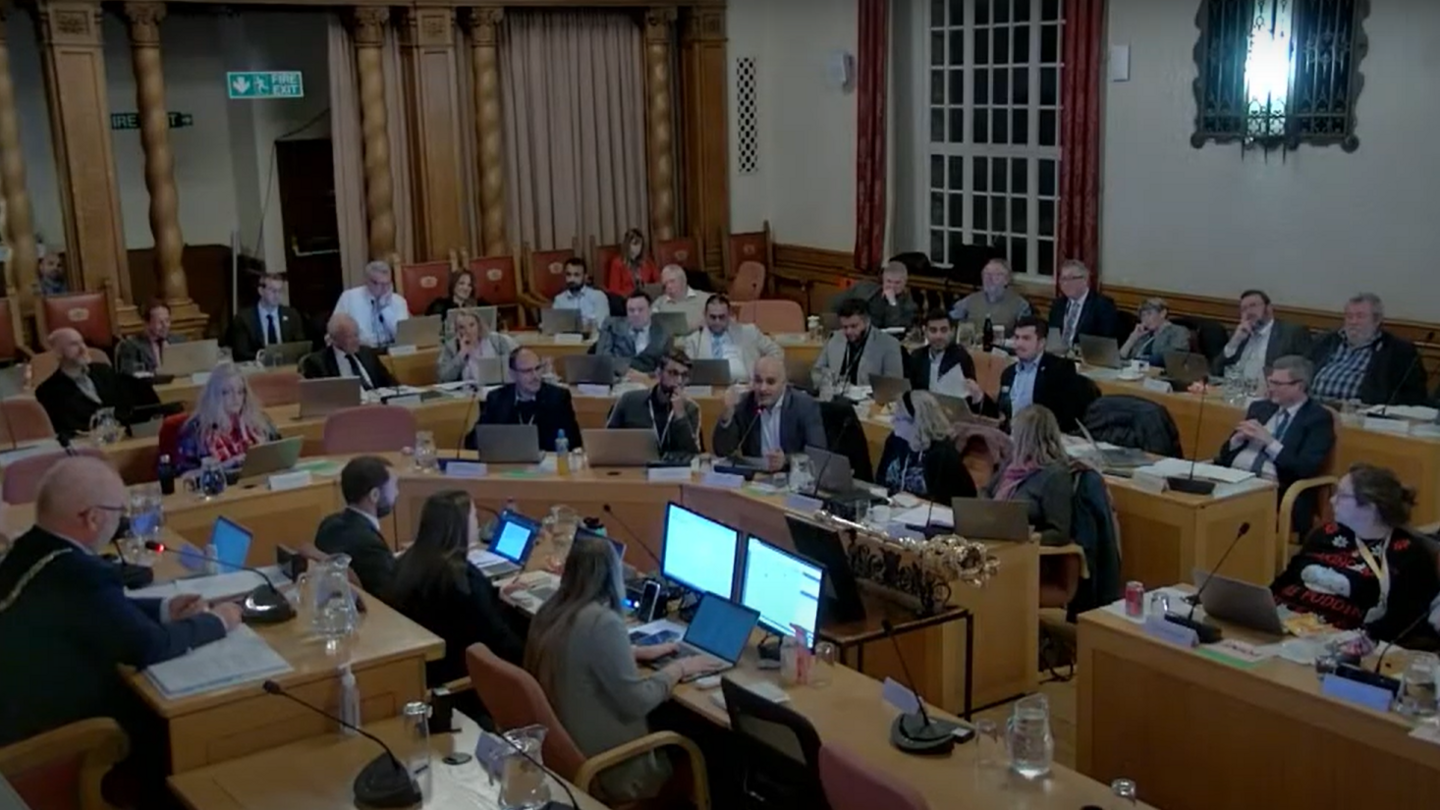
<point>920,455</point>
<point>226,422</point>
<point>1365,569</point>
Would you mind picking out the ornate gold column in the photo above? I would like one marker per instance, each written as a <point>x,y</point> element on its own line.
<point>660,130</point>
<point>74,62</point>
<point>432,84</point>
<point>704,125</point>
<point>489,129</point>
<point>19,224</point>
<point>369,32</point>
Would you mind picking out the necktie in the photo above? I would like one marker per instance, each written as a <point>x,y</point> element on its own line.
<point>717,349</point>
<point>272,337</point>
<point>358,372</point>
<point>378,320</point>
<point>1279,433</point>
<point>1072,320</point>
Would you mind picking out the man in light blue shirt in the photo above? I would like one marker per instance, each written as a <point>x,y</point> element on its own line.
<point>1039,378</point>
<point>593,304</point>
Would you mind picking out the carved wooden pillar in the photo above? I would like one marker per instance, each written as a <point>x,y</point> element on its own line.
<point>489,129</point>
<point>659,129</point>
<point>705,127</point>
<point>369,32</point>
<point>19,224</point>
<point>74,63</point>
<point>427,62</point>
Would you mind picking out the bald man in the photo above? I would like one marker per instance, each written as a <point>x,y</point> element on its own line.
<point>78,388</point>
<point>678,297</point>
<point>789,419</point>
<point>346,356</point>
<point>67,624</point>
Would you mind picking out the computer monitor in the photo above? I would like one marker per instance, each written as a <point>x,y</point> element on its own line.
<point>231,542</point>
<point>785,588</point>
<point>514,534</point>
<point>698,552</point>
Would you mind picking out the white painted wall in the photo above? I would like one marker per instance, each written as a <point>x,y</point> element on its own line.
<point>1314,226</point>
<point>805,184</point>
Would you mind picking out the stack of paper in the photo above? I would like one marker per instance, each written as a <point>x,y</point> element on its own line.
<point>213,588</point>
<point>240,657</point>
<point>1181,468</point>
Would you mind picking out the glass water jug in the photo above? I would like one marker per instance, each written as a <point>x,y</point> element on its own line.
<point>1028,739</point>
<point>104,427</point>
<point>326,595</point>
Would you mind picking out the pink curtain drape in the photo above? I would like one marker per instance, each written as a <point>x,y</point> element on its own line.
<point>573,91</point>
<point>870,164</point>
<point>1079,227</point>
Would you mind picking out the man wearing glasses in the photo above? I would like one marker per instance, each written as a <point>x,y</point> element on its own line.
<point>1080,310</point>
<point>529,400</point>
<point>663,408</point>
<point>1285,437</point>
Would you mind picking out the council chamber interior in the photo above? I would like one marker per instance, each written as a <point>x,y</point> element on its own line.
<point>831,404</point>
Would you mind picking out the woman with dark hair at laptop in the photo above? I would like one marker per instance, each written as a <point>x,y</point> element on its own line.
<point>437,588</point>
<point>920,455</point>
<point>580,653</point>
<point>461,296</point>
<point>1038,474</point>
<point>1365,569</point>
<point>227,421</point>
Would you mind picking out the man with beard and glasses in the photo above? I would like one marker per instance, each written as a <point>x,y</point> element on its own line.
<point>593,304</point>
<point>663,407</point>
<point>369,488</point>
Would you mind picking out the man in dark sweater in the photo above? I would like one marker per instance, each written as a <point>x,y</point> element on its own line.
<point>369,488</point>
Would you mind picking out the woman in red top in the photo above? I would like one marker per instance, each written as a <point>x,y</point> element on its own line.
<point>226,422</point>
<point>631,269</point>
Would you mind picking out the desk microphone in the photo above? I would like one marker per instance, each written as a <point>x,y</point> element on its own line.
<point>465,426</point>
<point>264,605</point>
<point>384,781</point>
<point>1410,369</point>
<point>1208,633</point>
<point>1189,484</point>
<point>917,732</point>
<point>1380,659</point>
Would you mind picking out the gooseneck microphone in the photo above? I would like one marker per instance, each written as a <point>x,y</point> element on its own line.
<point>1189,484</point>
<point>265,604</point>
<point>917,732</point>
<point>385,781</point>
<point>1207,633</point>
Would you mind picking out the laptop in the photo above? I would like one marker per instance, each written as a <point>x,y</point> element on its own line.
<point>491,370</point>
<point>654,290</point>
<point>1243,603</point>
<point>509,444</point>
<point>840,598</point>
<point>270,457</point>
<point>984,519</point>
<point>714,373</point>
<point>559,321</point>
<point>283,355</point>
<point>798,371</point>
<point>835,478</point>
<point>188,357</point>
<point>320,398</point>
<point>675,324</point>
<point>487,316</point>
<point>620,447</point>
<point>885,390</point>
<point>510,546</point>
<point>231,542</point>
<point>421,332</point>
<point>1184,368</point>
<point>719,629</point>
<point>1120,459</point>
<point>590,369</point>
<point>1100,352</point>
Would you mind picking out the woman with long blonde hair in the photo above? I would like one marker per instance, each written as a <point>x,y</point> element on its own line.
<point>1038,474</point>
<point>473,341</point>
<point>920,456</point>
<point>226,422</point>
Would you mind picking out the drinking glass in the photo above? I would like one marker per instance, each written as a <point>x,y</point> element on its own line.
<point>1417,695</point>
<point>415,748</point>
<point>822,669</point>
<point>801,473</point>
<point>988,744</point>
<point>425,454</point>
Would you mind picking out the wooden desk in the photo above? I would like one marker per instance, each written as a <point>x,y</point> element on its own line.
<point>316,774</point>
<point>1195,733</point>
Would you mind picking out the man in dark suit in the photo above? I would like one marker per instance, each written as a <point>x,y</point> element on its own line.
<point>143,354</point>
<point>1080,310</point>
<point>268,323</point>
<point>772,421</point>
<point>941,354</point>
<point>529,400</point>
<point>1259,340</point>
<point>1364,362</point>
<point>78,388</point>
<point>1037,377</point>
<point>346,356</point>
<point>67,625</point>
<point>369,488</point>
<point>1285,437</point>
<point>635,337</point>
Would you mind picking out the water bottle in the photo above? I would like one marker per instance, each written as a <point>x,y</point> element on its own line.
<point>987,338</point>
<point>349,700</point>
<point>562,453</point>
<point>1031,746</point>
<point>167,476</point>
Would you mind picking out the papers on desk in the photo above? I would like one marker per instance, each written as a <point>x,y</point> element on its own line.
<point>240,657</point>
<point>212,588</point>
<point>1181,468</point>
<point>936,514</point>
<point>1418,413</point>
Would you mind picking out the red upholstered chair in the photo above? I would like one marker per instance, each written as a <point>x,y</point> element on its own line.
<point>423,282</point>
<point>600,257</point>
<point>777,316</point>
<point>748,283</point>
<point>754,246</point>
<point>497,282</point>
<point>12,335</point>
<point>87,312</point>
<point>545,275</point>
<point>273,388</point>
<point>24,420</point>
<point>684,251</point>
<point>44,364</point>
<point>62,769</point>
<point>167,441</point>
<point>22,478</point>
<point>851,784</point>
<point>516,700</point>
<point>369,429</point>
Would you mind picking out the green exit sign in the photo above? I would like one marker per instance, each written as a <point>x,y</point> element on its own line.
<point>265,84</point>
<point>130,120</point>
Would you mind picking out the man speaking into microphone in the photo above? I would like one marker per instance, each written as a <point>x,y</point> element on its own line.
<point>771,420</point>
<point>663,407</point>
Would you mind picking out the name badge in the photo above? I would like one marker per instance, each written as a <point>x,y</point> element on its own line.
<point>402,350</point>
<point>1171,633</point>
<point>289,480</point>
<point>668,474</point>
<point>466,469</point>
<point>801,503</point>
<point>723,480</point>
<point>570,338</point>
<point>1158,386</point>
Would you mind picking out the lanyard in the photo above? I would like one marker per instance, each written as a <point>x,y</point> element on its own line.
<point>521,420</point>
<point>1380,569</point>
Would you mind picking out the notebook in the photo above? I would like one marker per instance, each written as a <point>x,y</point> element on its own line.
<point>240,657</point>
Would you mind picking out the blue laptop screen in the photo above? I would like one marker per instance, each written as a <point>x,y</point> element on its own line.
<point>720,627</point>
<point>231,542</point>
<point>512,539</point>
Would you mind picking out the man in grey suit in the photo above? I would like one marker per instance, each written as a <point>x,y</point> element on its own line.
<point>635,337</point>
<point>1259,339</point>
<point>856,353</point>
<point>771,421</point>
<point>723,339</point>
<point>663,408</point>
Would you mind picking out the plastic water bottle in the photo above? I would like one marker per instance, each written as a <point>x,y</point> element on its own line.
<point>349,700</point>
<point>167,475</point>
<point>987,338</point>
<point>562,453</point>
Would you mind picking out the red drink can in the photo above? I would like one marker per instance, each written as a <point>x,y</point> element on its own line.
<point>1134,599</point>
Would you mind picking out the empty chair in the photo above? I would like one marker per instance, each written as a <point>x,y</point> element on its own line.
<point>22,477</point>
<point>779,751</point>
<point>24,420</point>
<point>273,388</point>
<point>63,768</point>
<point>748,282</point>
<point>776,316</point>
<point>423,282</point>
<point>369,429</point>
<point>851,784</point>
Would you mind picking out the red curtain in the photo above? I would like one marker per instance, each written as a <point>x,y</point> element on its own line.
<point>870,140</point>
<point>1079,227</point>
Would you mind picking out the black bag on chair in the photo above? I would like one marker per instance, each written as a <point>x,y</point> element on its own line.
<point>845,436</point>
